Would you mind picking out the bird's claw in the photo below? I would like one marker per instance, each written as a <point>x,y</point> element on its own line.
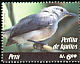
<point>38,46</point>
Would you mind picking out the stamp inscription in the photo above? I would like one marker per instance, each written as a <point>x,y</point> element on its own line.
<point>68,56</point>
<point>13,57</point>
<point>70,39</point>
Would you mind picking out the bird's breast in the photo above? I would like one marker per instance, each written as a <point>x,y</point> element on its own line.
<point>40,35</point>
<point>37,35</point>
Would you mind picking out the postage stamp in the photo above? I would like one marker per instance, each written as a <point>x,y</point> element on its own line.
<point>40,32</point>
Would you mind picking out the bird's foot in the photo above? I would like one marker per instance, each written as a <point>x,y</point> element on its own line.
<point>37,45</point>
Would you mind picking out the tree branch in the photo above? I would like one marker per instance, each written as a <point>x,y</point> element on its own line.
<point>10,12</point>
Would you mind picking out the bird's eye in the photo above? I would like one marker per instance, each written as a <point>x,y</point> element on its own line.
<point>45,11</point>
<point>61,10</point>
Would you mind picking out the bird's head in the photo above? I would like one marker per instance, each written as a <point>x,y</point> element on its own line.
<point>59,11</point>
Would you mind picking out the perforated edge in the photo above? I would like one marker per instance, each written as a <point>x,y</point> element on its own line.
<point>32,61</point>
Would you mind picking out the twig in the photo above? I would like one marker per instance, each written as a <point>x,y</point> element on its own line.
<point>30,47</point>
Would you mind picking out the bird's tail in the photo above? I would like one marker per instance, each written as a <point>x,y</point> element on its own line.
<point>6,33</point>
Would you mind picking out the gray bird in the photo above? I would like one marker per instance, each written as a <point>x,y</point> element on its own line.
<point>37,27</point>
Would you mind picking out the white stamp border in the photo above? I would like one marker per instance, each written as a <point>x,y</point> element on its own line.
<point>33,61</point>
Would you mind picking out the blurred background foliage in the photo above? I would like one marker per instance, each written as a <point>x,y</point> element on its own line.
<point>67,27</point>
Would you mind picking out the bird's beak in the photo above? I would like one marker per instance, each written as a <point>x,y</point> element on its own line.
<point>71,14</point>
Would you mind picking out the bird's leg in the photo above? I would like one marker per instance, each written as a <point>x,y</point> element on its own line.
<point>37,45</point>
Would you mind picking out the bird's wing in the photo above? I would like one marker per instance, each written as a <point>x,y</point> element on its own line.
<point>30,23</point>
